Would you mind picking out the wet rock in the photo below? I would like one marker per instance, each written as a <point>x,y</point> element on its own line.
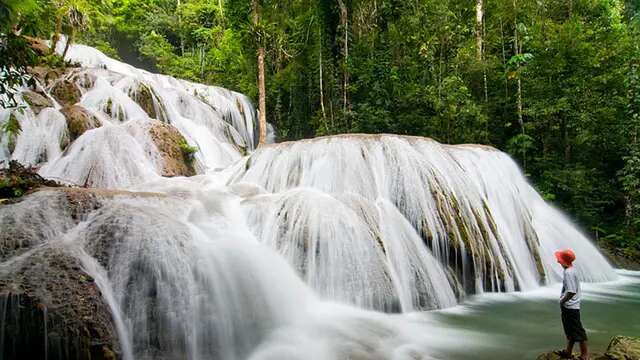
<point>620,348</point>
<point>46,75</point>
<point>50,308</point>
<point>46,214</point>
<point>36,101</point>
<point>144,96</point>
<point>623,348</point>
<point>66,92</point>
<point>38,45</point>
<point>79,120</point>
<point>171,144</point>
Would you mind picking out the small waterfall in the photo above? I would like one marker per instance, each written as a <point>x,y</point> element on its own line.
<point>290,251</point>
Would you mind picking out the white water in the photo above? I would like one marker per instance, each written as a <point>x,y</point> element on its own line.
<point>286,253</point>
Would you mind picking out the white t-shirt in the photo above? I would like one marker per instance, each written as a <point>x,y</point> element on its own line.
<point>570,283</point>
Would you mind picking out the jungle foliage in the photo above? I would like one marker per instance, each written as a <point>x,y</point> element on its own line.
<point>554,83</point>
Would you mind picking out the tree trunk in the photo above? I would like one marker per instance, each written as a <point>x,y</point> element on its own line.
<point>344,23</point>
<point>480,45</point>
<point>479,17</point>
<point>324,114</point>
<point>262,101</point>
<point>504,64</point>
<point>180,28</point>
<point>518,50</point>
<point>70,39</point>
<point>56,34</point>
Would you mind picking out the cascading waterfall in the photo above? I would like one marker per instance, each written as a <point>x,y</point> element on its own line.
<point>483,224</point>
<point>293,251</point>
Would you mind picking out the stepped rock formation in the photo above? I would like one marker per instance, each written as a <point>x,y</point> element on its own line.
<point>429,222</point>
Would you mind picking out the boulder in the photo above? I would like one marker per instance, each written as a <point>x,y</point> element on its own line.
<point>143,96</point>
<point>38,45</point>
<point>52,309</point>
<point>46,75</point>
<point>66,92</point>
<point>171,145</point>
<point>79,120</point>
<point>623,348</point>
<point>36,101</point>
<point>620,348</point>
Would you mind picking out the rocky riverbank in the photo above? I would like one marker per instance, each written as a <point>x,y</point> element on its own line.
<point>620,348</point>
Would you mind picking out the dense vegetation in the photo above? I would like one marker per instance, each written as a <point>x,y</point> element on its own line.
<point>554,83</point>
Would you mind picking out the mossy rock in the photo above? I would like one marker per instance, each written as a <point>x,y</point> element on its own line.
<point>66,92</point>
<point>38,45</point>
<point>79,120</point>
<point>623,348</point>
<point>620,348</point>
<point>53,309</point>
<point>144,96</point>
<point>170,143</point>
<point>45,74</point>
<point>36,101</point>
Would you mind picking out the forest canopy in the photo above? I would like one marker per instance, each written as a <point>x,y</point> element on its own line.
<point>554,83</point>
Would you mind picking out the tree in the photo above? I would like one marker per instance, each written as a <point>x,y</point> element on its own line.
<point>15,51</point>
<point>262,100</point>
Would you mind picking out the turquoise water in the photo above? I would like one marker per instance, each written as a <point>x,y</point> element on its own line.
<point>523,325</point>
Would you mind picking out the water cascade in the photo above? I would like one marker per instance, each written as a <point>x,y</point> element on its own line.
<point>296,250</point>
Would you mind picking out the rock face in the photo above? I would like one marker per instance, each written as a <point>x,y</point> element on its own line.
<point>623,348</point>
<point>144,96</point>
<point>36,101</point>
<point>620,348</point>
<point>66,92</point>
<point>49,307</point>
<point>38,45</point>
<point>79,120</point>
<point>52,309</point>
<point>170,143</point>
<point>46,75</point>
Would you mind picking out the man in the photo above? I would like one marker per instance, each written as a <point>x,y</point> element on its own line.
<point>570,306</point>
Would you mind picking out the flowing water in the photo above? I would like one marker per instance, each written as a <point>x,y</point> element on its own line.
<point>330,248</point>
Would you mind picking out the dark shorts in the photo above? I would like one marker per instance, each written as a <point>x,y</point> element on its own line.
<point>572,325</point>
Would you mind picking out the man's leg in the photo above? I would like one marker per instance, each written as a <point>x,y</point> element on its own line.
<point>584,351</point>
<point>569,350</point>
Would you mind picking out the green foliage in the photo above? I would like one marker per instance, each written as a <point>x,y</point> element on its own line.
<point>188,151</point>
<point>16,180</point>
<point>11,129</point>
<point>15,56</point>
<point>408,67</point>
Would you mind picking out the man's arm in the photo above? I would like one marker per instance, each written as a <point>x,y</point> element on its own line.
<point>567,297</point>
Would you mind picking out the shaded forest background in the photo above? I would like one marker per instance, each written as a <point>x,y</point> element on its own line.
<point>554,83</point>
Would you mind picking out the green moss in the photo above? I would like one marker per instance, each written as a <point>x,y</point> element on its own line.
<point>188,151</point>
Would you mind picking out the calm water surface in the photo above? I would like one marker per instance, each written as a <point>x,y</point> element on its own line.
<point>523,325</point>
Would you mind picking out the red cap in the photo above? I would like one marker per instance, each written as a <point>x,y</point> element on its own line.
<point>565,257</point>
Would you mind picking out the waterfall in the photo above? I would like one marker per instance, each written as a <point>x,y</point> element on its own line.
<point>295,250</point>
<point>484,227</point>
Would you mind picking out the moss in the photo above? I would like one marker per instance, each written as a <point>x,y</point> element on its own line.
<point>188,151</point>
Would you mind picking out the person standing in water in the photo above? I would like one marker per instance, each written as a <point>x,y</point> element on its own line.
<point>570,306</point>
